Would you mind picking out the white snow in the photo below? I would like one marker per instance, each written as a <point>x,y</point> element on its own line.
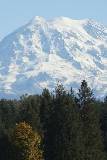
<point>42,52</point>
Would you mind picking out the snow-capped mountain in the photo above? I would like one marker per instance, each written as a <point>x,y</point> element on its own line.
<point>43,52</point>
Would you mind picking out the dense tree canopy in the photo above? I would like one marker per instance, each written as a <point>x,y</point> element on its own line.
<point>62,125</point>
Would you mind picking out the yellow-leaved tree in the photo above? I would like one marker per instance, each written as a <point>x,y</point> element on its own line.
<point>27,143</point>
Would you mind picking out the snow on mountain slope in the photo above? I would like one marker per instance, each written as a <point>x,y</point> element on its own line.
<point>42,52</point>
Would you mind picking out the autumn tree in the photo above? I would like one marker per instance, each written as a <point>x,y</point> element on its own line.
<point>26,143</point>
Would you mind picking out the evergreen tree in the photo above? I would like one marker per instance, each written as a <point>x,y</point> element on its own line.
<point>91,133</point>
<point>30,111</point>
<point>85,95</point>
<point>103,113</point>
<point>64,128</point>
<point>70,126</point>
<point>57,122</point>
<point>45,114</point>
<point>45,108</point>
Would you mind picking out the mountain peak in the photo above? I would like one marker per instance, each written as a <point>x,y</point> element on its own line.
<point>38,19</point>
<point>46,51</point>
<point>62,19</point>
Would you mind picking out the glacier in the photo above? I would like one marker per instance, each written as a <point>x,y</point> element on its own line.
<point>43,52</point>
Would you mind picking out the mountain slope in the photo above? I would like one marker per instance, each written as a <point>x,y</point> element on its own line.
<point>42,52</point>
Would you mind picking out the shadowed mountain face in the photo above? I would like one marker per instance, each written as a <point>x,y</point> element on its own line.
<point>42,52</point>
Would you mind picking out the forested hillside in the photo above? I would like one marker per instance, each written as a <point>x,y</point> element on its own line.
<point>63,125</point>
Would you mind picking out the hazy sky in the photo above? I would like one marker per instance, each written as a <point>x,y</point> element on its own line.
<point>15,13</point>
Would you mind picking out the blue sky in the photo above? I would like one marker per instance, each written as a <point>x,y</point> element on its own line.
<point>15,13</point>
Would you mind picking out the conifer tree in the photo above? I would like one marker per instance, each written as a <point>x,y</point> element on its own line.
<point>45,119</point>
<point>85,95</point>
<point>30,111</point>
<point>65,127</point>
<point>45,108</point>
<point>91,134</point>
<point>103,113</point>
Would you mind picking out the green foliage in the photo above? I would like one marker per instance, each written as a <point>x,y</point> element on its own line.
<point>46,111</point>
<point>30,111</point>
<point>85,94</point>
<point>103,119</point>
<point>92,140</point>
<point>54,126</point>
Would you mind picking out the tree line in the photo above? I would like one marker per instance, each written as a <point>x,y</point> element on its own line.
<point>63,125</point>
